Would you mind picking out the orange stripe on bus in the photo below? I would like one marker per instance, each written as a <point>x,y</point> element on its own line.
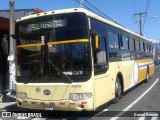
<point>62,103</point>
<point>30,45</point>
<point>52,104</point>
<point>42,103</point>
<point>72,103</point>
<point>83,102</point>
<point>33,102</point>
<point>25,101</point>
<point>68,41</point>
<point>54,43</point>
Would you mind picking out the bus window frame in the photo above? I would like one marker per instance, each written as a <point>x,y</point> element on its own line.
<point>99,68</point>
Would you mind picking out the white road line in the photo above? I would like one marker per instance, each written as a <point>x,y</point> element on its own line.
<point>142,118</point>
<point>39,119</point>
<point>22,118</point>
<point>134,102</point>
<point>105,110</point>
<point>154,118</point>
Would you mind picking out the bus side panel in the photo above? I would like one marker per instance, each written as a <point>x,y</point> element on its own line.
<point>105,83</point>
<point>102,89</point>
<point>126,68</point>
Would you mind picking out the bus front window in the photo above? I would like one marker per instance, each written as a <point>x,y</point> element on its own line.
<point>45,49</point>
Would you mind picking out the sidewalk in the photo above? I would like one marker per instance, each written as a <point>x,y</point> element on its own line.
<point>5,104</point>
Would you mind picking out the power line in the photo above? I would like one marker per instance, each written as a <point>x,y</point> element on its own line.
<point>99,10</point>
<point>141,5</point>
<point>78,2</point>
<point>147,8</point>
<point>86,4</point>
<point>93,7</point>
<point>81,5</point>
<point>134,6</point>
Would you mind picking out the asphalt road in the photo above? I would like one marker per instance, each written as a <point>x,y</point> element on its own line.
<point>141,103</point>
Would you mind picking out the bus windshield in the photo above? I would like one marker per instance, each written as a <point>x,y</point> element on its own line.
<point>52,47</point>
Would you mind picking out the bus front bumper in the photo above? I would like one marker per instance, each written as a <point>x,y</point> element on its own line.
<point>63,105</point>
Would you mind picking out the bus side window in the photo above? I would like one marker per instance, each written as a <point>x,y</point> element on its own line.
<point>144,47</point>
<point>141,44</point>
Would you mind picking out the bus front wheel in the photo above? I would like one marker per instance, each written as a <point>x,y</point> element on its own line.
<point>118,90</point>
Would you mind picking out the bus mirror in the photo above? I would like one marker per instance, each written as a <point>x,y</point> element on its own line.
<point>96,41</point>
<point>5,45</point>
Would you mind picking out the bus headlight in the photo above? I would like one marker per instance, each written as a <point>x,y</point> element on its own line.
<point>22,96</point>
<point>79,96</point>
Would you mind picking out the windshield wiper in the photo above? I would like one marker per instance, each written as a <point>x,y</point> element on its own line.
<point>61,72</point>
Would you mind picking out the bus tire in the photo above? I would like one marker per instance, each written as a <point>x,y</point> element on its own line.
<point>118,90</point>
<point>147,76</point>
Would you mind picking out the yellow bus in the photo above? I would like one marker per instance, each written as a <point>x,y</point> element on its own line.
<point>75,60</point>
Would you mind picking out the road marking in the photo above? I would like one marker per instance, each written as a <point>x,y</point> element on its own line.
<point>134,102</point>
<point>22,118</point>
<point>105,110</point>
<point>40,119</point>
<point>100,112</point>
<point>154,118</point>
<point>142,118</point>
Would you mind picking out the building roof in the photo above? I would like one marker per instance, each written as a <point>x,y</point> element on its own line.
<point>4,23</point>
<point>4,16</point>
<point>20,12</point>
<point>37,10</point>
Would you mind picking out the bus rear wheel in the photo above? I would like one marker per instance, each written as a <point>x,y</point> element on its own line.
<point>147,76</point>
<point>118,90</point>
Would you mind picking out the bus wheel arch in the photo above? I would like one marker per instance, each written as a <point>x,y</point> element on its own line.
<point>119,87</point>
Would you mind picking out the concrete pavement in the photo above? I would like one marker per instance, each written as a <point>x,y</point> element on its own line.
<point>5,104</point>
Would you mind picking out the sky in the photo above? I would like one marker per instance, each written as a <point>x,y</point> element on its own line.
<point>121,10</point>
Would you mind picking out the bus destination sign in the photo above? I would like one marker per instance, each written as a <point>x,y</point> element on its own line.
<point>46,25</point>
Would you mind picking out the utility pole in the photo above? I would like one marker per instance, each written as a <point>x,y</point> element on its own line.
<point>140,21</point>
<point>12,43</point>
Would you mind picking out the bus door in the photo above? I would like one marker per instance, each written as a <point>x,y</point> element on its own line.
<point>101,79</point>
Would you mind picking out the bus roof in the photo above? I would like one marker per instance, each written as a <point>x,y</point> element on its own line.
<point>88,13</point>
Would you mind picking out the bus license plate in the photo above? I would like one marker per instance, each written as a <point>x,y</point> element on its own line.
<point>48,107</point>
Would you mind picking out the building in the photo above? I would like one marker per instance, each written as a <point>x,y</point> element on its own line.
<point>4,30</point>
<point>20,12</point>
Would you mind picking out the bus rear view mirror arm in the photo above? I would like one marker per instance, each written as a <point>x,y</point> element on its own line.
<point>14,36</point>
